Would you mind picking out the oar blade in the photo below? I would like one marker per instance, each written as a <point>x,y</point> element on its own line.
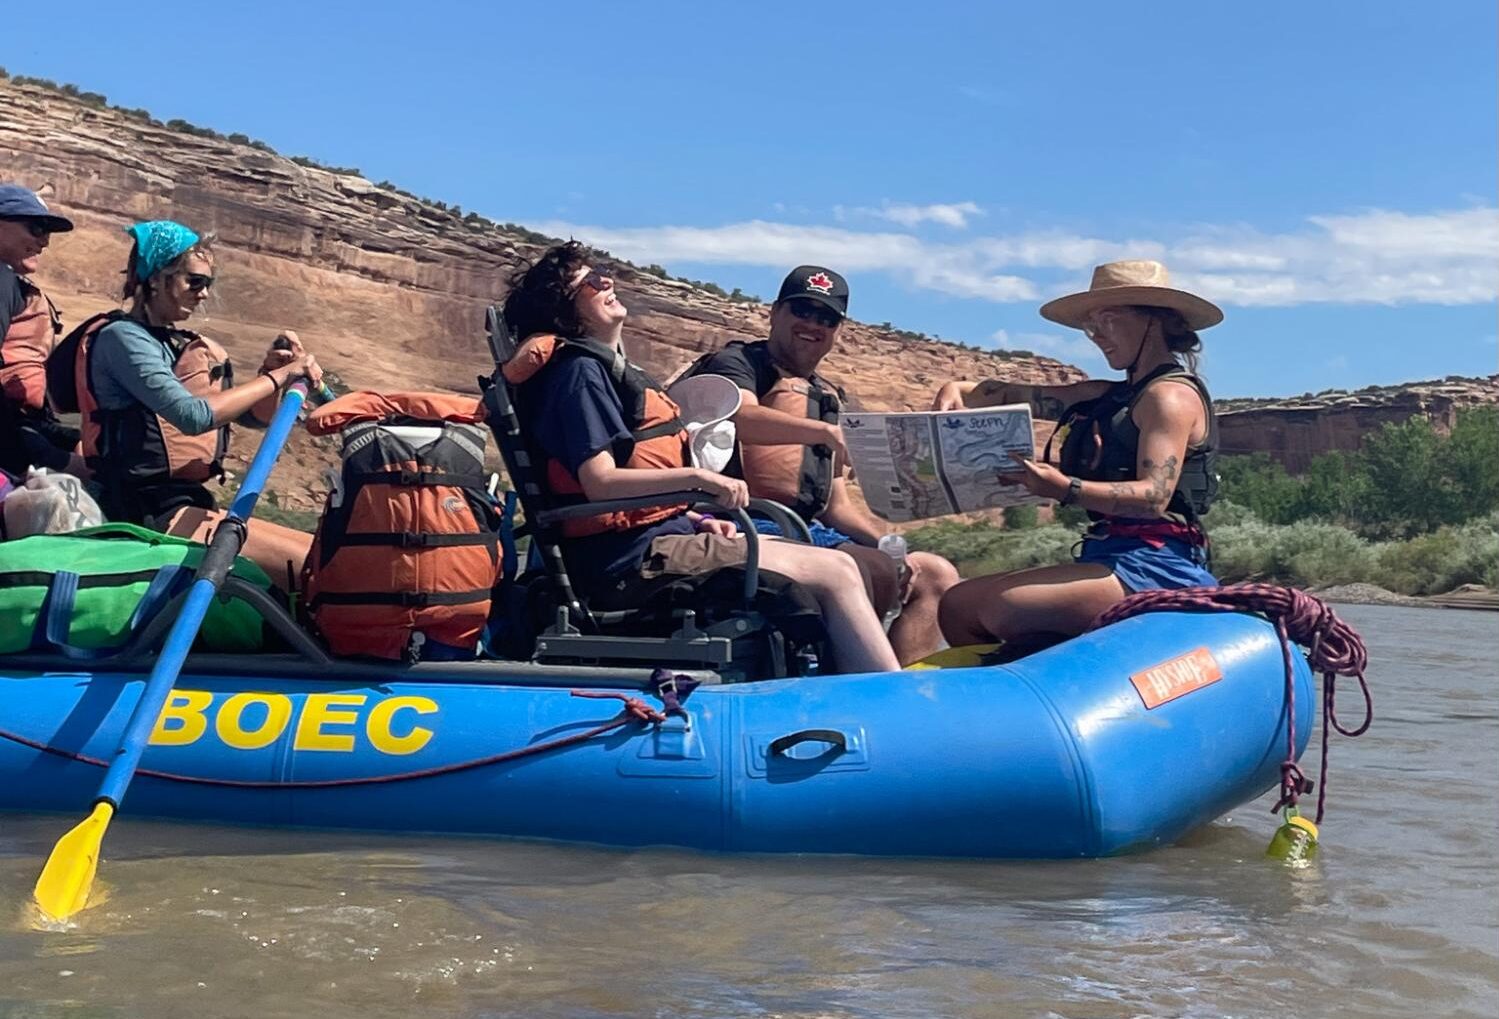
<point>63,889</point>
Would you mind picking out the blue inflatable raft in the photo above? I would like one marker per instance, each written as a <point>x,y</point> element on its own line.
<point>1123,739</point>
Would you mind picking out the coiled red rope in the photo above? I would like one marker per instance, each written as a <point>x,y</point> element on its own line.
<point>1333,648</point>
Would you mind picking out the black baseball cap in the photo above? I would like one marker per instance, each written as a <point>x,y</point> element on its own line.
<point>821,285</point>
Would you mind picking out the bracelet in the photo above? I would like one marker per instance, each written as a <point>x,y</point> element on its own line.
<point>267,373</point>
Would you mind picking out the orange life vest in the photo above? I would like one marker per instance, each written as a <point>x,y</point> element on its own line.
<point>133,446</point>
<point>407,549</point>
<point>655,423</point>
<point>24,349</point>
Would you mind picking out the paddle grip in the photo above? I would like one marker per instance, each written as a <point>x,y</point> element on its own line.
<point>324,394</point>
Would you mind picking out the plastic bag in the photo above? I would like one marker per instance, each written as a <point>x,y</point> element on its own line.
<point>49,503</point>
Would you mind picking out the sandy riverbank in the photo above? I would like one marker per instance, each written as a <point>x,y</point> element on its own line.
<point>1469,596</point>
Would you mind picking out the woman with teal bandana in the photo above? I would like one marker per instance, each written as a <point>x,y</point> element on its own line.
<point>165,398</point>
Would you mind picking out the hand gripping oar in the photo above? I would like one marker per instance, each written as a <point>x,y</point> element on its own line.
<point>63,888</point>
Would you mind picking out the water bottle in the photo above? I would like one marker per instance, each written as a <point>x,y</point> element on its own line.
<point>894,546</point>
<point>1295,841</point>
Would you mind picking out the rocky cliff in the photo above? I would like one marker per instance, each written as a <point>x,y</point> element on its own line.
<point>388,289</point>
<point>1297,429</point>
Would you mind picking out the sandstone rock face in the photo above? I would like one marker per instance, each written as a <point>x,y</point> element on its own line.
<point>388,290</point>
<point>1296,430</point>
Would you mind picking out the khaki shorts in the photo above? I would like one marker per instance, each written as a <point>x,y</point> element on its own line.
<point>690,555</point>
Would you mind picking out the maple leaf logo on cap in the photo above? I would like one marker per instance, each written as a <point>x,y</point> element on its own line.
<point>821,282</point>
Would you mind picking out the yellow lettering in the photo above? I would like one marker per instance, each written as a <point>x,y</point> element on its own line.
<point>181,720</point>
<point>379,730</point>
<point>277,714</point>
<point>317,712</point>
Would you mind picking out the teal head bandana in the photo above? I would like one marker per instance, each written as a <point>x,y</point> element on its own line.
<point>158,244</point>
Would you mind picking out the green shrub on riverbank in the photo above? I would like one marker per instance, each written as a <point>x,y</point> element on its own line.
<point>1307,553</point>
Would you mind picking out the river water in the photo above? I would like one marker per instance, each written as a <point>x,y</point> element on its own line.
<point>1399,916</point>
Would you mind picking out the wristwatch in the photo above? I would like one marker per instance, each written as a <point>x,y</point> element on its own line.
<point>1074,489</point>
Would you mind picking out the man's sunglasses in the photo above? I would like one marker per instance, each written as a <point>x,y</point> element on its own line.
<point>197,282</point>
<point>595,281</point>
<point>811,311</point>
<point>35,227</point>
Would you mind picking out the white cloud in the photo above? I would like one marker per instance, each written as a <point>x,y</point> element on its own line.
<point>950,214</point>
<point>1374,257</point>
<point>1074,348</point>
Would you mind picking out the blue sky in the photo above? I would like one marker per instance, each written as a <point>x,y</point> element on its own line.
<point>1325,171</point>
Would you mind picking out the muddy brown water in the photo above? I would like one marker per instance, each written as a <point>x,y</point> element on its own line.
<point>1399,917</point>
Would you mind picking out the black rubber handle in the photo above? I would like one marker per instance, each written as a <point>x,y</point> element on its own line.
<point>784,743</point>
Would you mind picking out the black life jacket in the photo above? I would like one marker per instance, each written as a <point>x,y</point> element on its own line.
<point>1115,457</point>
<point>800,477</point>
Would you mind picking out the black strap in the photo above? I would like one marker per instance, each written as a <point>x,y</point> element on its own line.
<point>418,539</point>
<point>405,599</point>
<point>671,427</point>
<point>42,578</point>
<point>409,478</point>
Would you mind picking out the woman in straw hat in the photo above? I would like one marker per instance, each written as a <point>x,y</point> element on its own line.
<point>1137,455</point>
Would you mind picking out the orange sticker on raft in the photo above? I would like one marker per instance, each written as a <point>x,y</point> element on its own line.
<point>1177,677</point>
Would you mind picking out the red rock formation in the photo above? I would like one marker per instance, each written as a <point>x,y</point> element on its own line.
<point>1296,430</point>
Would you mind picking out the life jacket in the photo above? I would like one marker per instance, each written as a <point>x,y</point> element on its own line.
<point>406,553</point>
<point>797,476</point>
<point>1100,442</point>
<point>24,349</point>
<point>661,440</point>
<point>134,447</point>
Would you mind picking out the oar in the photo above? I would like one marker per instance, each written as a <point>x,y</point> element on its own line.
<point>63,889</point>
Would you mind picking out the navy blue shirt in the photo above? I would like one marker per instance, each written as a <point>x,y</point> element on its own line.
<point>575,416</point>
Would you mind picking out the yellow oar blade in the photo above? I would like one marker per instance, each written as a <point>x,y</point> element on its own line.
<point>64,886</point>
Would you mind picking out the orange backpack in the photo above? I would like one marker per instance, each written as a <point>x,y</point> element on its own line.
<point>407,552</point>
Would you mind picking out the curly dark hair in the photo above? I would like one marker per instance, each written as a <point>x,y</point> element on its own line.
<point>541,299</point>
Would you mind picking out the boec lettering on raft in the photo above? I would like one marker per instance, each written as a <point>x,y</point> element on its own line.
<point>328,721</point>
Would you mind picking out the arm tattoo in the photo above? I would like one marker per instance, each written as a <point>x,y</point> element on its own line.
<point>991,389</point>
<point>1047,408</point>
<point>1162,478</point>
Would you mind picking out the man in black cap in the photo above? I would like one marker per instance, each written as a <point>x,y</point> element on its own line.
<point>30,434</point>
<point>791,449</point>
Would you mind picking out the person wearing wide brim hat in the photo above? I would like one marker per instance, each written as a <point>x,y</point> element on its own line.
<point>1138,455</point>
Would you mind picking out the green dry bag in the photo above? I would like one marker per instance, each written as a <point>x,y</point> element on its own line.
<point>86,593</point>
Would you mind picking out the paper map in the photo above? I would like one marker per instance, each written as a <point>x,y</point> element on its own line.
<point>919,465</point>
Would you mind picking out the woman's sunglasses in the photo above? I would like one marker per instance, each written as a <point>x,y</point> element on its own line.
<point>811,311</point>
<point>595,281</point>
<point>197,282</point>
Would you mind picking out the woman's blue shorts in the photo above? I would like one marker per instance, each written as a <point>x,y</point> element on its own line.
<point>1140,567</point>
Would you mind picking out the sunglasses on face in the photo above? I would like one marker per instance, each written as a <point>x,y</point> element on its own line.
<point>811,311</point>
<point>34,227</point>
<point>595,281</point>
<point>197,282</point>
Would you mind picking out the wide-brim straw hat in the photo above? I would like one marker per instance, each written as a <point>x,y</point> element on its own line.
<point>1137,282</point>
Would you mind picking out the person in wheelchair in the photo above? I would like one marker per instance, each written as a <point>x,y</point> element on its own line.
<point>609,431</point>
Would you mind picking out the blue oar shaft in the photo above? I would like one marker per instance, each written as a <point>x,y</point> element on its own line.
<point>215,565</point>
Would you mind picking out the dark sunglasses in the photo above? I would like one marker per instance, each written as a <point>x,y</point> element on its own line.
<point>811,311</point>
<point>35,227</point>
<point>595,281</point>
<point>197,282</point>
